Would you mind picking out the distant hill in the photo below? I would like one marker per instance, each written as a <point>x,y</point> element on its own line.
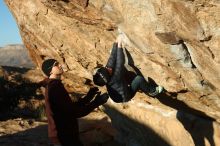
<point>15,55</point>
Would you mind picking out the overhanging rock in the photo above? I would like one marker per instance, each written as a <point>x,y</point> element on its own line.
<point>80,34</point>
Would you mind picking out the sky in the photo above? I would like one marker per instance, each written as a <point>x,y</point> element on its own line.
<point>9,33</point>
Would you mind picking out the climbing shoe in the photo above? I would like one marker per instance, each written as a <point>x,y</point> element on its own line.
<point>158,90</point>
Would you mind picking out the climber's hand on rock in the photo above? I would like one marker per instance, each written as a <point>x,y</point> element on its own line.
<point>119,40</point>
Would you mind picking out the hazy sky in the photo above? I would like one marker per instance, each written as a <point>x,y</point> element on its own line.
<point>9,33</point>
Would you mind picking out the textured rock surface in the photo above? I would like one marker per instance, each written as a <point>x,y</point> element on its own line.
<point>175,42</point>
<point>95,130</point>
<point>143,124</point>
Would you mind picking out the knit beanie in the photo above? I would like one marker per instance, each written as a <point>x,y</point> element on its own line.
<point>101,76</point>
<point>47,66</point>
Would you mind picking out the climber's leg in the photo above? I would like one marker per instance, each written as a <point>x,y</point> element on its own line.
<point>139,83</point>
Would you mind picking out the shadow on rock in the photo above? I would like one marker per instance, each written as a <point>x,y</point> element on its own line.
<point>199,128</point>
<point>14,89</point>
<point>35,136</point>
<point>132,132</point>
<point>170,99</point>
<point>92,133</point>
<point>196,122</point>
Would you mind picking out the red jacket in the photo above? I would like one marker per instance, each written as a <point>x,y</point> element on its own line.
<point>62,113</point>
<point>52,131</point>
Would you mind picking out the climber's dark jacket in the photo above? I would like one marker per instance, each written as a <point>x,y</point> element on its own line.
<point>64,112</point>
<point>117,87</point>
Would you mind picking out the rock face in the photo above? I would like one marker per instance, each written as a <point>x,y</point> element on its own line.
<point>174,42</point>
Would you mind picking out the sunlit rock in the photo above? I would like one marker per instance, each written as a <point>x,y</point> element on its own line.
<point>174,42</point>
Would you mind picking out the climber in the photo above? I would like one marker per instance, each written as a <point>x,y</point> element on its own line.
<point>62,113</point>
<point>113,75</point>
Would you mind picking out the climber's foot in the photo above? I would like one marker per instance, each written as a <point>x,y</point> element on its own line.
<point>158,90</point>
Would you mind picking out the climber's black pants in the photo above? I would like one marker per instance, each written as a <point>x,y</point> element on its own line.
<point>139,83</point>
